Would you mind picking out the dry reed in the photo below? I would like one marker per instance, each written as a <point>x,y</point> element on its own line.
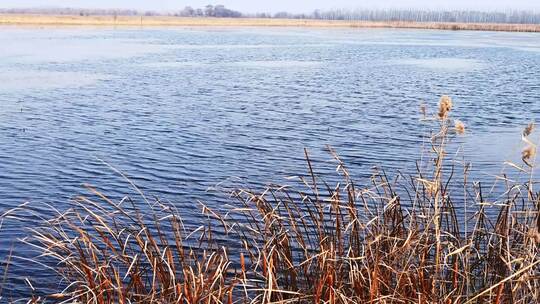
<point>63,20</point>
<point>390,241</point>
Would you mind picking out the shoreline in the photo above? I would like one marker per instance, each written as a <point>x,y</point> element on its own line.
<point>155,21</point>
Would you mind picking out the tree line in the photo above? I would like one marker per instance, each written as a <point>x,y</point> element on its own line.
<point>219,11</point>
<point>416,15</point>
<point>74,11</point>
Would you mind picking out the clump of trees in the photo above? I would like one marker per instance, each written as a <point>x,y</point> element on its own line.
<point>209,11</point>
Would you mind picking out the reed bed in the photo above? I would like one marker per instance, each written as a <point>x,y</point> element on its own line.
<point>66,20</point>
<point>391,240</point>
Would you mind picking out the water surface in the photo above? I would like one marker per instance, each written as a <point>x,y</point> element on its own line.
<point>180,110</point>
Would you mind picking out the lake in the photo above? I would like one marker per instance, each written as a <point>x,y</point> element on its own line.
<point>181,110</point>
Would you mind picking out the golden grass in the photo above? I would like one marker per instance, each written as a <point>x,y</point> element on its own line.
<point>388,241</point>
<point>60,20</point>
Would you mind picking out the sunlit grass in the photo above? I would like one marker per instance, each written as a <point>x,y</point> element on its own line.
<point>58,20</point>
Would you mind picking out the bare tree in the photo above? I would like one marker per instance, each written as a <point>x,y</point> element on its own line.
<point>417,15</point>
<point>209,11</point>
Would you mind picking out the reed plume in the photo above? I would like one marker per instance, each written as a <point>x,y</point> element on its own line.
<point>445,106</point>
<point>528,129</point>
<point>528,154</point>
<point>459,126</point>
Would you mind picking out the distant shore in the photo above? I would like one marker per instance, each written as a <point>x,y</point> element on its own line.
<point>66,20</point>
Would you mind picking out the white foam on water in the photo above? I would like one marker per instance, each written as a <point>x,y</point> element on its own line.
<point>277,64</point>
<point>62,50</point>
<point>13,80</point>
<point>173,64</point>
<point>246,46</point>
<point>453,64</point>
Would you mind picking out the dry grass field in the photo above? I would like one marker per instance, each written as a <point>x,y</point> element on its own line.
<point>52,20</point>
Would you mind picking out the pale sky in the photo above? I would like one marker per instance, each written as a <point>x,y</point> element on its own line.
<point>279,5</point>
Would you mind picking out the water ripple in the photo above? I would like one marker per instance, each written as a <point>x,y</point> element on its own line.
<point>179,111</point>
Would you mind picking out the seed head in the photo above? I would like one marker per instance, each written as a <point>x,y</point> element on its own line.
<point>445,105</point>
<point>527,154</point>
<point>528,129</point>
<point>459,126</point>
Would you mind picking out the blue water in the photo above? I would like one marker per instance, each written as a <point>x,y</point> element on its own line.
<point>181,110</point>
